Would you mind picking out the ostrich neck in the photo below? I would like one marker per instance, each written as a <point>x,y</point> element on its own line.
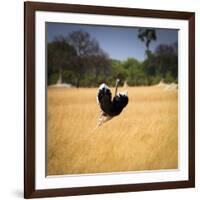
<point>116,88</point>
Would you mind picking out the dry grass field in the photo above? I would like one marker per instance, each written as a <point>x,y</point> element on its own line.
<point>143,137</point>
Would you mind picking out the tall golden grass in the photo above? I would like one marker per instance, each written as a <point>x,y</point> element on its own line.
<point>143,137</point>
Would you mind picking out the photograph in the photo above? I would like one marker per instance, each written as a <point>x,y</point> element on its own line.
<point>111,99</point>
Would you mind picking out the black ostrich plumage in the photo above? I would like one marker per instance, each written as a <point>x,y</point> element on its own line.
<point>109,106</point>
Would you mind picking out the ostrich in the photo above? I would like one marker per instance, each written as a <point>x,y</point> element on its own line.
<point>110,107</point>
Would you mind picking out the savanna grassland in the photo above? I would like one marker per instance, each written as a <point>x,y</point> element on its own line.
<point>143,137</point>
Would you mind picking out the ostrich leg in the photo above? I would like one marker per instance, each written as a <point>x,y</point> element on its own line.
<point>103,118</point>
<point>100,119</point>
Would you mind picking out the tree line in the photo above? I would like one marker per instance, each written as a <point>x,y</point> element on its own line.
<point>79,60</point>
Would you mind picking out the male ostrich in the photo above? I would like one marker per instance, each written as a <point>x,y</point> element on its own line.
<point>110,107</point>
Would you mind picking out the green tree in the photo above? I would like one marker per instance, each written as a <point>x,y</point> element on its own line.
<point>59,57</point>
<point>146,35</point>
<point>117,71</point>
<point>98,67</point>
<point>167,61</point>
<point>85,48</point>
<point>77,59</point>
<point>135,71</point>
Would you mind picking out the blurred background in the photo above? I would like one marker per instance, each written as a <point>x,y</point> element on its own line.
<point>87,55</point>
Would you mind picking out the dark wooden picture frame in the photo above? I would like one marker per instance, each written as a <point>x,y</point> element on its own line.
<point>29,107</point>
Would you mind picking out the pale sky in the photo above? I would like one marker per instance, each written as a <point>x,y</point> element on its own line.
<point>119,42</point>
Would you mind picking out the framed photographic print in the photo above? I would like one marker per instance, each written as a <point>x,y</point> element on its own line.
<point>109,100</point>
